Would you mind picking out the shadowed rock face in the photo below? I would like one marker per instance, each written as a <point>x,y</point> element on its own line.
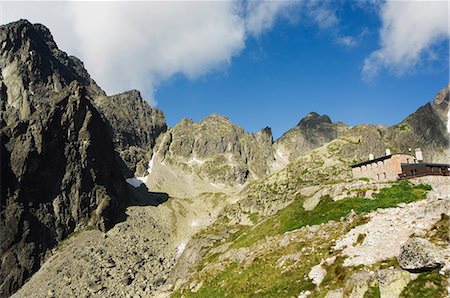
<point>135,126</point>
<point>34,70</point>
<point>311,132</point>
<point>59,170</point>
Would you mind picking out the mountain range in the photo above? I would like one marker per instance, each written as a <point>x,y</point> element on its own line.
<point>68,150</point>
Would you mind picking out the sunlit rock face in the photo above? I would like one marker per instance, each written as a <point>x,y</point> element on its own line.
<point>426,128</point>
<point>217,150</point>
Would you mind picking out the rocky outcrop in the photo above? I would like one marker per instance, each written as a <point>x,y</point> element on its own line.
<point>135,127</point>
<point>311,132</point>
<point>61,175</point>
<point>418,255</point>
<point>59,168</point>
<point>425,128</point>
<point>34,70</point>
<point>217,150</point>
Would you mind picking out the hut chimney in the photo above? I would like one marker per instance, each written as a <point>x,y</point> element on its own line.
<point>419,156</point>
<point>388,151</point>
<point>371,156</point>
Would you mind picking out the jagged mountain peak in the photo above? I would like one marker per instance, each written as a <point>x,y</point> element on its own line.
<point>216,119</point>
<point>311,132</point>
<point>441,102</point>
<point>314,119</point>
<point>442,97</point>
<point>266,133</point>
<point>425,128</point>
<point>33,69</point>
<point>21,32</point>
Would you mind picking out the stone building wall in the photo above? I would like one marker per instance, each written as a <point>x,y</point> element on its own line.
<point>386,169</point>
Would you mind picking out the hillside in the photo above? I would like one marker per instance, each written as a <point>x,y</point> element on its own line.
<point>100,198</point>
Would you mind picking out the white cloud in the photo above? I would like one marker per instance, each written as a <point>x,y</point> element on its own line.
<point>261,15</point>
<point>409,31</point>
<point>323,13</point>
<point>138,45</point>
<point>348,41</point>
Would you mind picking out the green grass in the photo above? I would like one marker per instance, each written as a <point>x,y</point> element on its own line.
<point>440,232</point>
<point>254,217</point>
<point>428,284</point>
<point>261,278</point>
<point>403,127</point>
<point>360,239</point>
<point>373,292</point>
<point>294,216</point>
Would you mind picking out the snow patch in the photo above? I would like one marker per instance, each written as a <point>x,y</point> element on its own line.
<point>150,164</point>
<point>135,182</point>
<point>142,179</point>
<point>195,160</point>
<point>281,159</point>
<point>180,248</point>
<point>194,223</point>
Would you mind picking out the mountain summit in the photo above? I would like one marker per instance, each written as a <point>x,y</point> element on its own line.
<point>311,132</point>
<point>59,170</point>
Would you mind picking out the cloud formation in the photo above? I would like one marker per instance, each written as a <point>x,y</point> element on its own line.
<point>409,31</point>
<point>141,44</point>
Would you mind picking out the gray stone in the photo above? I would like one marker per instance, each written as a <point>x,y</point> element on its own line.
<point>418,254</point>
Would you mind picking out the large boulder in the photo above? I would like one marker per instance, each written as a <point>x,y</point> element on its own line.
<point>418,255</point>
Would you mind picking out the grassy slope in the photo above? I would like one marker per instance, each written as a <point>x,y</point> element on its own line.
<point>262,278</point>
<point>294,216</point>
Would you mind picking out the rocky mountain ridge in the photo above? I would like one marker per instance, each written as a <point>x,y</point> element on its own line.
<point>68,146</point>
<point>216,143</point>
<point>59,171</point>
<point>216,149</point>
<point>135,126</point>
<point>311,132</point>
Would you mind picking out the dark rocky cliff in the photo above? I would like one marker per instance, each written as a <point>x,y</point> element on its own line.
<point>135,127</point>
<point>59,170</point>
<point>311,132</point>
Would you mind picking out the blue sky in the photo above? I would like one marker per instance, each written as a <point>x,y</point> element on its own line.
<point>260,63</point>
<point>294,69</point>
